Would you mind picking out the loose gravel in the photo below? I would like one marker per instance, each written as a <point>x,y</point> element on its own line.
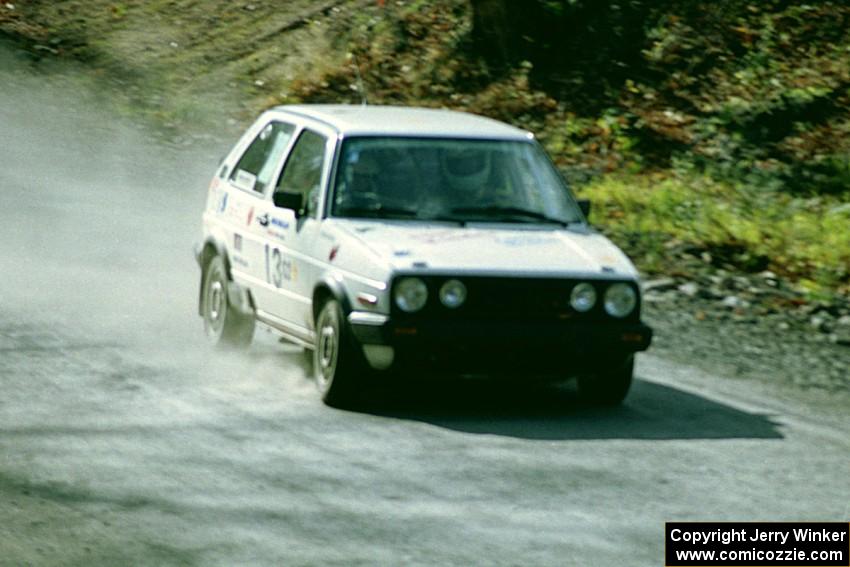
<point>753,327</point>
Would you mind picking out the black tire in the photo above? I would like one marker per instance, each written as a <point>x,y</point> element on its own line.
<point>609,385</point>
<point>224,325</point>
<point>336,363</point>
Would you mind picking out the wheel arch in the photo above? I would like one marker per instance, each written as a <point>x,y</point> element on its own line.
<point>210,249</point>
<point>330,288</point>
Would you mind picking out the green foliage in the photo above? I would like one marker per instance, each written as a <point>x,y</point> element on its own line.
<point>749,228</point>
<point>719,134</point>
<point>763,88</point>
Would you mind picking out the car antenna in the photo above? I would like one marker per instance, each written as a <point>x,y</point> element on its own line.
<point>360,86</point>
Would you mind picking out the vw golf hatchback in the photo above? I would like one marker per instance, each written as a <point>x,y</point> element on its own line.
<point>391,241</point>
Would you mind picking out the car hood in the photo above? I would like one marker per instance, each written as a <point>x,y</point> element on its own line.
<point>490,248</point>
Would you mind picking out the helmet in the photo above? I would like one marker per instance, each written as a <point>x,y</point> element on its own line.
<point>364,168</point>
<point>465,169</point>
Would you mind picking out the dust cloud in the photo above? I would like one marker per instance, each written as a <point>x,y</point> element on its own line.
<point>98,219</point>
<point>103,359</point>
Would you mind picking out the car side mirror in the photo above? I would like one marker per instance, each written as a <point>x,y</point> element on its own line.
<point>287,200</point>
<point>584,206</point>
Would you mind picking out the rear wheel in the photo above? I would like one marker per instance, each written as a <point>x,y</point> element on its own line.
<point>609,385</point>
<point>223,323</point>
<point>335,360</point>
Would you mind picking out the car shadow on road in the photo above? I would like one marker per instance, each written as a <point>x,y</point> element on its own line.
<point>651,411</point>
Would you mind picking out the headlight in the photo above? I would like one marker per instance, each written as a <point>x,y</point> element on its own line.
<point>620,300</point>
<point>453,294</point>
<point>583,297</point>
<point>410,294</point>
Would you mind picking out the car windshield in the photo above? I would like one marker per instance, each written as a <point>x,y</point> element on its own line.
<point>451,180</point>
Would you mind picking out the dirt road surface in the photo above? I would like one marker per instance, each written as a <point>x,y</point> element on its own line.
<point>125,440</point>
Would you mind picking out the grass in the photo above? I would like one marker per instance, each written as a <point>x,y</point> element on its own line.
<point>806,239</point>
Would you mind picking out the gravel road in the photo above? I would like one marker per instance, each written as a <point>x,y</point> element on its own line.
<point>125,440</point>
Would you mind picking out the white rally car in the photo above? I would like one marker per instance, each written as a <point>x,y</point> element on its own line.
<point>396,240</point>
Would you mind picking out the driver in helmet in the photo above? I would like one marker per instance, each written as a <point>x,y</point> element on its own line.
<point>466,173</point>
<point>472,178</point>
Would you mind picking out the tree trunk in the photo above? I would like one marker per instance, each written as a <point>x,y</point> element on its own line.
<point>492,29</point>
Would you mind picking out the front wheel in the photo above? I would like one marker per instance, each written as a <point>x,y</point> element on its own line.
<point>608,385</point>
<point>335,361</point>
<point>224,325</point>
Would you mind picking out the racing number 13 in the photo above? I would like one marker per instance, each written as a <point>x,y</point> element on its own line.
<point>277,268</point>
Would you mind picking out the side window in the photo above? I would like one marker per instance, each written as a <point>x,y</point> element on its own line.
<point>303,170</point>
<point>256,167</point>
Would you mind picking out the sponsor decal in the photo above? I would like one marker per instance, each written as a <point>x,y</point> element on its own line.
<point>525,240</point>
<point>237,242</point>
<point>222,204</point>
<point>250,216</point>
<point>272,223</point>
<point>240,261</point>
<point>333,253</point>
<point>235,210</point>
<point>245,180</point>
<point>453,235</point>
<point>280,223</point>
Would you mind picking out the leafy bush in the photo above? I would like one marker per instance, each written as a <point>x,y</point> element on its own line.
<point>740,226</point>
<point>719,129</point>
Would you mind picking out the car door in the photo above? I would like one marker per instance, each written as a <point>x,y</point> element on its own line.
<point>295,261</point>
<point>244,201</point>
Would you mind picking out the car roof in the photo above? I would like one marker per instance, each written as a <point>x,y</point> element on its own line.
<point>363,120</point>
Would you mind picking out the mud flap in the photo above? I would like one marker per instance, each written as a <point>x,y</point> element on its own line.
<point>240,298</point>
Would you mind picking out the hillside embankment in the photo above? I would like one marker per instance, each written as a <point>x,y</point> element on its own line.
<point>714,140</point>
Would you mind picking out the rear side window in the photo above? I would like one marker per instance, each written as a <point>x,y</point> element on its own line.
<point>303,170</point>
<point>257,165</point>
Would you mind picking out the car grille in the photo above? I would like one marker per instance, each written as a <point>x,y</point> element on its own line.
<point>507,299</point>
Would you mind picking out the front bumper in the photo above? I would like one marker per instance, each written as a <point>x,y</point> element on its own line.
<point>506,346</point>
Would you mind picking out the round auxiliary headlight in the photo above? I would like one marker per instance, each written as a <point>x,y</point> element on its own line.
<point>410,294</point>
<point>583,297</point>
<point>453,294</point>
<point>620,300</point>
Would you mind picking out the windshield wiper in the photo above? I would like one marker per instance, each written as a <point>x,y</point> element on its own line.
<point>378,212</point>
<point>504,211</point>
